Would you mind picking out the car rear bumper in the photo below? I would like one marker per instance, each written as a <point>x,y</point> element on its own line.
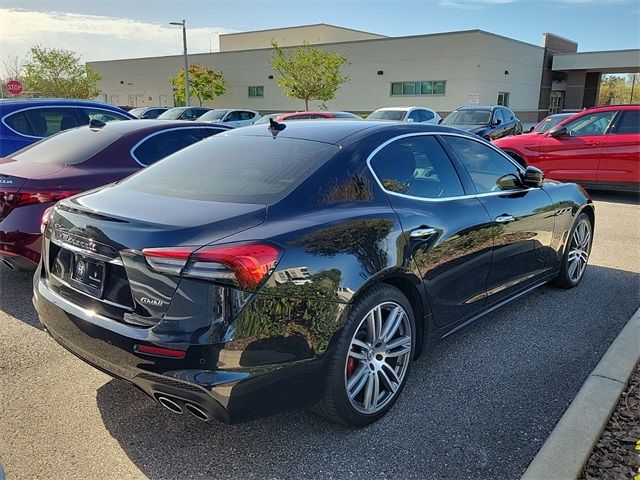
<point>20,251</point>
<point>228,394</point>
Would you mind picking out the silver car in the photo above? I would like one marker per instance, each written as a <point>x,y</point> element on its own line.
<point>230,117</point>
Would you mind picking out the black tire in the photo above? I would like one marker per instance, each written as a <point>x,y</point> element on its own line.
<point>565,278</point>
<point>335,404</point>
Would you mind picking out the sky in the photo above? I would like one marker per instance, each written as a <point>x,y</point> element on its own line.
<point>102,30</point>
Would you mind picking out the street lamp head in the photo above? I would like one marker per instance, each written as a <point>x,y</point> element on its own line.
<point>177,23</point>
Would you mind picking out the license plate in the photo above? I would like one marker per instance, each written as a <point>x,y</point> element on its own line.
<point>89,274</point>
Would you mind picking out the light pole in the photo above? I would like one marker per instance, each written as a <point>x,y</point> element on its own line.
<point>186,62</point>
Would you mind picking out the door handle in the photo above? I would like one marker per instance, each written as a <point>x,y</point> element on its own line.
<point>423,232</point>
<point>505,219</point>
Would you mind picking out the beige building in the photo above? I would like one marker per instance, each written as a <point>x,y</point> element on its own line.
<point>439,71</point>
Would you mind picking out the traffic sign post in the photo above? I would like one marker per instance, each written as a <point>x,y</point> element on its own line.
<point>14,87</point>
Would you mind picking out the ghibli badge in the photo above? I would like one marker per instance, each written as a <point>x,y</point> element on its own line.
<point>152,301</point>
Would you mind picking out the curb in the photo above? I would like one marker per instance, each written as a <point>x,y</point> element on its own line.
<point>566,451</point>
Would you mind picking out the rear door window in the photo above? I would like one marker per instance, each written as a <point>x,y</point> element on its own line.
<point>629,122</point>
<point>236,169</point>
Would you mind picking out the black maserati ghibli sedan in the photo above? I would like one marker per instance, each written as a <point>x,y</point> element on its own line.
<point>306,264</point>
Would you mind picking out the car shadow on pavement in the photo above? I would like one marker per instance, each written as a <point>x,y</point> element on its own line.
<point>478,405</point>
<point>15,296</point>
<point>628,198</point>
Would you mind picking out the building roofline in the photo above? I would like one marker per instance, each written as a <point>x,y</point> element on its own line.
<point>331,44</point>
<point>303,26</point>
<point>600,51</point>
<point>560,37</point>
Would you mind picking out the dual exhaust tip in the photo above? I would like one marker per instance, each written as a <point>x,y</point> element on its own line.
<point>176,406</point>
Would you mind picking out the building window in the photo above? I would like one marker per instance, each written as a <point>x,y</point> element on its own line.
<point>503,99</point>
<point>256,92</point>
<point>437,87</point>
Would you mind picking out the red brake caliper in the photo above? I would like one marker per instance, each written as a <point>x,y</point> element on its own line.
<point>351,365</point>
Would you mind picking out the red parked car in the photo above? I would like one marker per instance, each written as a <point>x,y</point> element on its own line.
<point>36,177</point>
<point>598,148</point>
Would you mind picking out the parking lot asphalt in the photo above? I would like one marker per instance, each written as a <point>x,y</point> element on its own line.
<point>478,405</point>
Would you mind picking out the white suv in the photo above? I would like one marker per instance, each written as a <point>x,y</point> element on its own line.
<point>406,114</point>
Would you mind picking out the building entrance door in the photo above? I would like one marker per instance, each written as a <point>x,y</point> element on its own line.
<point>556,102</point>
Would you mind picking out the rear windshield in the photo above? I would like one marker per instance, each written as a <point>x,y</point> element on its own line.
<point>213,115</point>
<point>387,115</point>
<point>234,169</point>
<point>468,117</point>
<point>67,148</point>
<point>172,113</point>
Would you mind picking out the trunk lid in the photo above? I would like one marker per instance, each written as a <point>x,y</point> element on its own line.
<point>111,226</point>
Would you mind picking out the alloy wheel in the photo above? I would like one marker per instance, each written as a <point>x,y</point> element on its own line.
<point>579,251</point>
<point>379,356</point>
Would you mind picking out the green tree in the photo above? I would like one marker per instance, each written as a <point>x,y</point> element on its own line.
<point>53,72</point>
<point>308,73</point>
<point>204,83</point>
<point>616,89</point>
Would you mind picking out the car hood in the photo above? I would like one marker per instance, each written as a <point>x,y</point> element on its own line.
<point>470,128</point>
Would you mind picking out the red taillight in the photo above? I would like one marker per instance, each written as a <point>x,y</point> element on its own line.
<point>44,221</point>
<point>159,351</point>
<point>245,265</point>
<point>33,197</point>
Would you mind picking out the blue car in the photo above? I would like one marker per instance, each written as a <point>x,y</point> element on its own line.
<point>25,121</point>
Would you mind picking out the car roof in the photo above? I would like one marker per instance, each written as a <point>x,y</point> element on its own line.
<point>335,132</point>
<point>10,104</point>
<point>124,127</point>
<point>479,107</point>
<point>405,109</point>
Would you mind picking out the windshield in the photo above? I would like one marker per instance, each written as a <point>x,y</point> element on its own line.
<point>387,115</point>
<point>468,117</point>
<point>136,112</point>
<point>235,169</point>
<point>67,148</point>
<point>266,118</point>
<point>212,115</point>
<point>549,122</point>
<point>172,114</point>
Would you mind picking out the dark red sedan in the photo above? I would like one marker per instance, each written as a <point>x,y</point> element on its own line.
<point>598,148</point>
<point>34,178</point>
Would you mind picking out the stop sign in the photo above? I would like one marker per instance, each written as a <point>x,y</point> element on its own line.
<point>14,87</point>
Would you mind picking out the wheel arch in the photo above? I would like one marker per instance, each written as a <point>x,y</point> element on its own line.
<point>411,287</point>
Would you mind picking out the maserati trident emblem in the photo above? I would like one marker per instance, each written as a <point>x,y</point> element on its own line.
<point>81,268</point>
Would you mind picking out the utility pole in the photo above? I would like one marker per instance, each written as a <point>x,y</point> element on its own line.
<point>186,61</point>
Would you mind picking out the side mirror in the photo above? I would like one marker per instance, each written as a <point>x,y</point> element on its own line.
<point>557,132</point>
<point>531,129</point>
<point>497,122</point>
<point>533,177</point>
<point>410,119</point>
<point>509,181</point>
